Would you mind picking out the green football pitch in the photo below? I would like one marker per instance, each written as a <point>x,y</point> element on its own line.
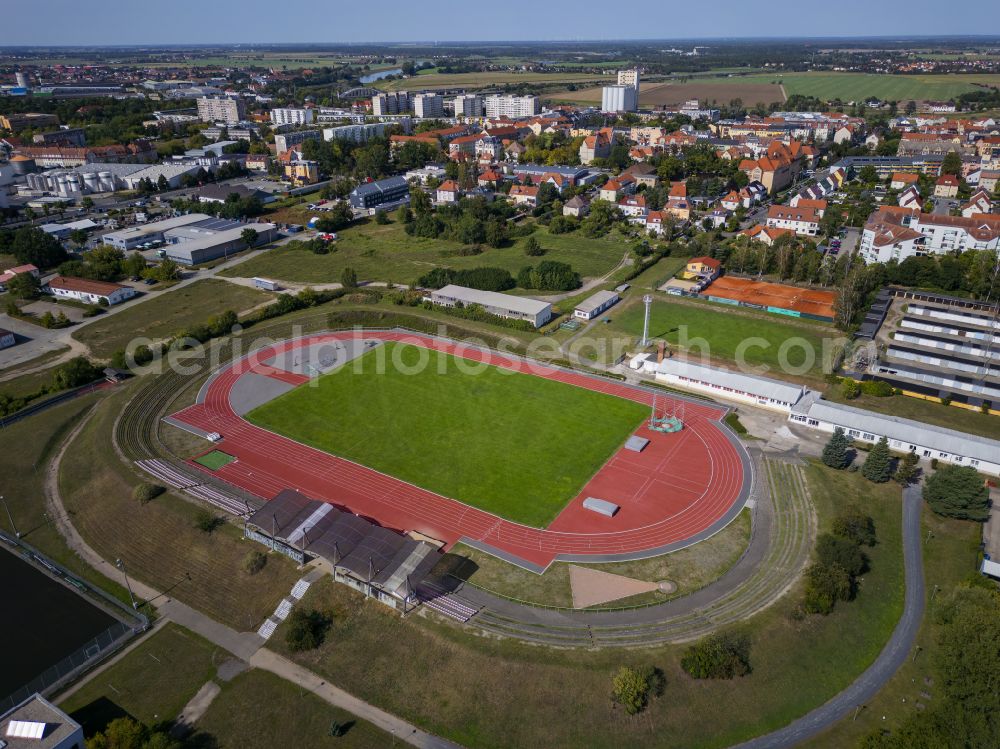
<point>513,444</point>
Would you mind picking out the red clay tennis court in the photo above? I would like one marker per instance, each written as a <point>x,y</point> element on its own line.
<point>780,296</point>
<point>682,487</point>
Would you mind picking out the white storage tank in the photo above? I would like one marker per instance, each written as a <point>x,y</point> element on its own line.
<point>107,181</point>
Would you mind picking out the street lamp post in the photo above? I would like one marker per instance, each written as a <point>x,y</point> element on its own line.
<point>121,565</point>
<point>10,517</point>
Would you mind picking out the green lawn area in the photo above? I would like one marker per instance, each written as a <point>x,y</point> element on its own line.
<point>215,459</point>
<point>906,407</point>
<point>258,709</point>
<point>159,541</point>
<point>690,568</point>
<point>166,314</point>
<point>514,444</point>
<point>688,325</point>
<point>152,683</point>
<point>387,253</point>
<point>857,86</point>
<point>498,693</point>
<point>25,448</point>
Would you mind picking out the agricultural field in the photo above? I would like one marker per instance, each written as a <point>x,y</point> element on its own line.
<point>797,664</point>
<point>722,333</point>
<point>708,90</point>
<point>164,315</point>
<point>858,86</point>
<point>489,79</point>
<point>514,444</point>
<point>387,253</point>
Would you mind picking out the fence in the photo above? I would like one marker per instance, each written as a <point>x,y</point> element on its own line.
<point>129,623</point>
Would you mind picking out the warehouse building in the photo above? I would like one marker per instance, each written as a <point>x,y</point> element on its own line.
<point>596,304</point>
<point>501,305</point>
<point>926,440</point>
<point>192,239</point>
<point>379,562</point>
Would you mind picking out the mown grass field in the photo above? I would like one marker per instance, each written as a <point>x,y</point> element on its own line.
<point>259,709</point>
<point>497,693</point>
<point>387,253</point>
<point>166,314</point>
<point>152,683</point>
<point>514,444</point>
<point>689,569</point>
<point>724,334</point>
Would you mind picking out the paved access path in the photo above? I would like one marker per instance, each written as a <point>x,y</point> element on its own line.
<point>247,646</point>
<point>893,655</point>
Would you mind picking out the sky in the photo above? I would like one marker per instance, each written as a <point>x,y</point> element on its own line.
<point>112,22</point>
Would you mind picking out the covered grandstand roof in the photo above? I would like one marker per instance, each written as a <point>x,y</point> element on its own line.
<point>383,557</point>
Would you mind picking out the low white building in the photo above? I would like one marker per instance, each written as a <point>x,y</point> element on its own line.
<point>503,305</point>
<point>755,390</point>
<point>88,291</point>
<point>596,304</point>
<point>926,440</point>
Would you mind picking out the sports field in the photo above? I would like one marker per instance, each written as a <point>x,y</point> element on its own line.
<point>509,443</point>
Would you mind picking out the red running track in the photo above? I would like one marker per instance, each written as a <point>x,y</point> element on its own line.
<point>673,491</point>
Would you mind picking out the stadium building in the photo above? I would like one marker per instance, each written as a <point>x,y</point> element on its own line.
<point>379,562</point>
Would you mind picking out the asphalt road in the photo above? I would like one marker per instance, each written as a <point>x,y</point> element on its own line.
<point>889,660</point>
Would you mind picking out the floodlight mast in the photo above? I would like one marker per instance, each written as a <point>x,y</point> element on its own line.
<point>648,301</point>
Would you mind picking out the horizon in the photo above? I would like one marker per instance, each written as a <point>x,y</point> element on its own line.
<point>227,22</point>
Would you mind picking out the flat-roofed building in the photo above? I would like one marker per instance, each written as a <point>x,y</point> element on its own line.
<point>929,442</point>
<point>38,724</point>
<point>291,116</point>
<point>755,390</point>
<point>230,110</point>
<point>428,105</point>
<point>133,236</point>
<point>380,192</point>
<point>594,305</point>
<point>502,305</point>
<point>468,105</point>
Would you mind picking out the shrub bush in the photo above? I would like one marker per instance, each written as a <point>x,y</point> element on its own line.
<point>725,655</point>
<point>307,629</point>
<point>254,562</point>
<point>146,492</point>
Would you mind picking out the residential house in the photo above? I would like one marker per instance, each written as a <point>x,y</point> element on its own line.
<point>803,221</point>
<point>702,267</point>
<point>774,174</point>
<point>893,233</point>
<point>633,206</point>
<point>577,206</point>
<point>11,273</point>
<point>643,174</point>
<point>489,178</point>
<point>524,195</point>
<point>597,146</point>
<point>611,191</point>
<point>910,198</point>
<point>657,222</point>
<point>978,203</point>
<point>515,150</point>
<point>766,234</point>
<point>902,180</point>
<point>448,192</point>
<point>719,217</point>
<point>946,186</point>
